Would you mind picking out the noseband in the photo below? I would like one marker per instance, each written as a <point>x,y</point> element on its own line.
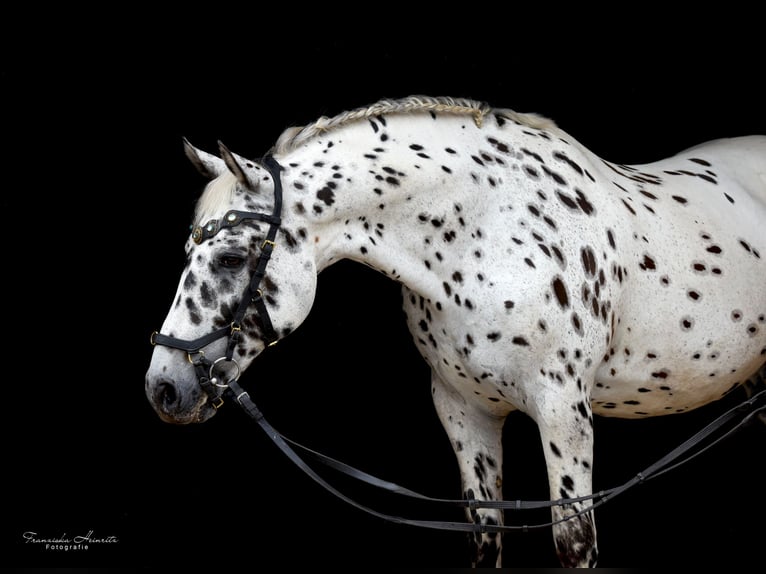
<point>215,376</point>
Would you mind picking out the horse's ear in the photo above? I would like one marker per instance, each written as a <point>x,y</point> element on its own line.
<point>235,163</point>
<point>207,164</point>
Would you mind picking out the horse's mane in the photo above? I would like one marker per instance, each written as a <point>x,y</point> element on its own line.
<point>294,137</point>
<point>217,194</point>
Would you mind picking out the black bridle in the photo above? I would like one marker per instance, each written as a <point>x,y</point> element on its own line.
<point>215,376</point>
<point>216,382</point>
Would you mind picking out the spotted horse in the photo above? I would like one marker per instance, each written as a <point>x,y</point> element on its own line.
<point>536,276</point>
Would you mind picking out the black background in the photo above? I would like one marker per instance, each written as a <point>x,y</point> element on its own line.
<point>96,210</point>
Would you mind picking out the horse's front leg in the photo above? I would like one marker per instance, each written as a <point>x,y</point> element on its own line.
<point>476,438</point>
<point>565,422</point>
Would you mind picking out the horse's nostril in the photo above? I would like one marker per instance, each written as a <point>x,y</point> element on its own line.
<point>166,396</point>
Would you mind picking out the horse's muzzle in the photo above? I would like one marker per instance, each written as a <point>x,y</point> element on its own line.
<point>178,402</point>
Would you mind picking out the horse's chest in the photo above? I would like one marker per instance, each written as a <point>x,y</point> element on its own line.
<point>471,350</point>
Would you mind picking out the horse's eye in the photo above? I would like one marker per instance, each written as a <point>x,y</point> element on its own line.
<point>231,261</point>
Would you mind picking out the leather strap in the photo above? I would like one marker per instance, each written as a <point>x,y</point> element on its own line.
<point>190,346</point>
<point>658,468</point>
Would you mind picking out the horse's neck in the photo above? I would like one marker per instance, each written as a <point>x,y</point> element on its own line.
<point>374,191</point>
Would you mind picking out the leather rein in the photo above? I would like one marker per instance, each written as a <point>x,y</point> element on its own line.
<point>218,378</point>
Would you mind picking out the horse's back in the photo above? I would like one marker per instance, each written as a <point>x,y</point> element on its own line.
<point>720,183</point>
<point>741,159</point>
<point>693,312</point>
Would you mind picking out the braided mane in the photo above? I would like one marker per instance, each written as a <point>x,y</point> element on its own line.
<point>294,137</point>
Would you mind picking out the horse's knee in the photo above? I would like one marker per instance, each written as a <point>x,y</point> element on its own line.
<point>575,542</point>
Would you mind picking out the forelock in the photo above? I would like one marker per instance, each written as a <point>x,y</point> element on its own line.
<point>216,198</point>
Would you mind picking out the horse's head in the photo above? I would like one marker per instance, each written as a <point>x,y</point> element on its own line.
<point>235,296</point>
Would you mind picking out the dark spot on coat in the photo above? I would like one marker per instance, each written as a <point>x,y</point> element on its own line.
<point>553,175</point>
<point>560,290</point>
<point>589,261</point>
<point>584,203</point>
<point>208,296</point>
<point>193,311</point>
<point>566,200</point>
<point>627,205</point>
<point>693,295</point>
<point>190,280</point>
<point>648,264</point>
<point>562,157</point>
<point>531,171</point>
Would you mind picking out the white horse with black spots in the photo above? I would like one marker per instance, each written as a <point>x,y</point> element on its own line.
<point>536,276</point>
